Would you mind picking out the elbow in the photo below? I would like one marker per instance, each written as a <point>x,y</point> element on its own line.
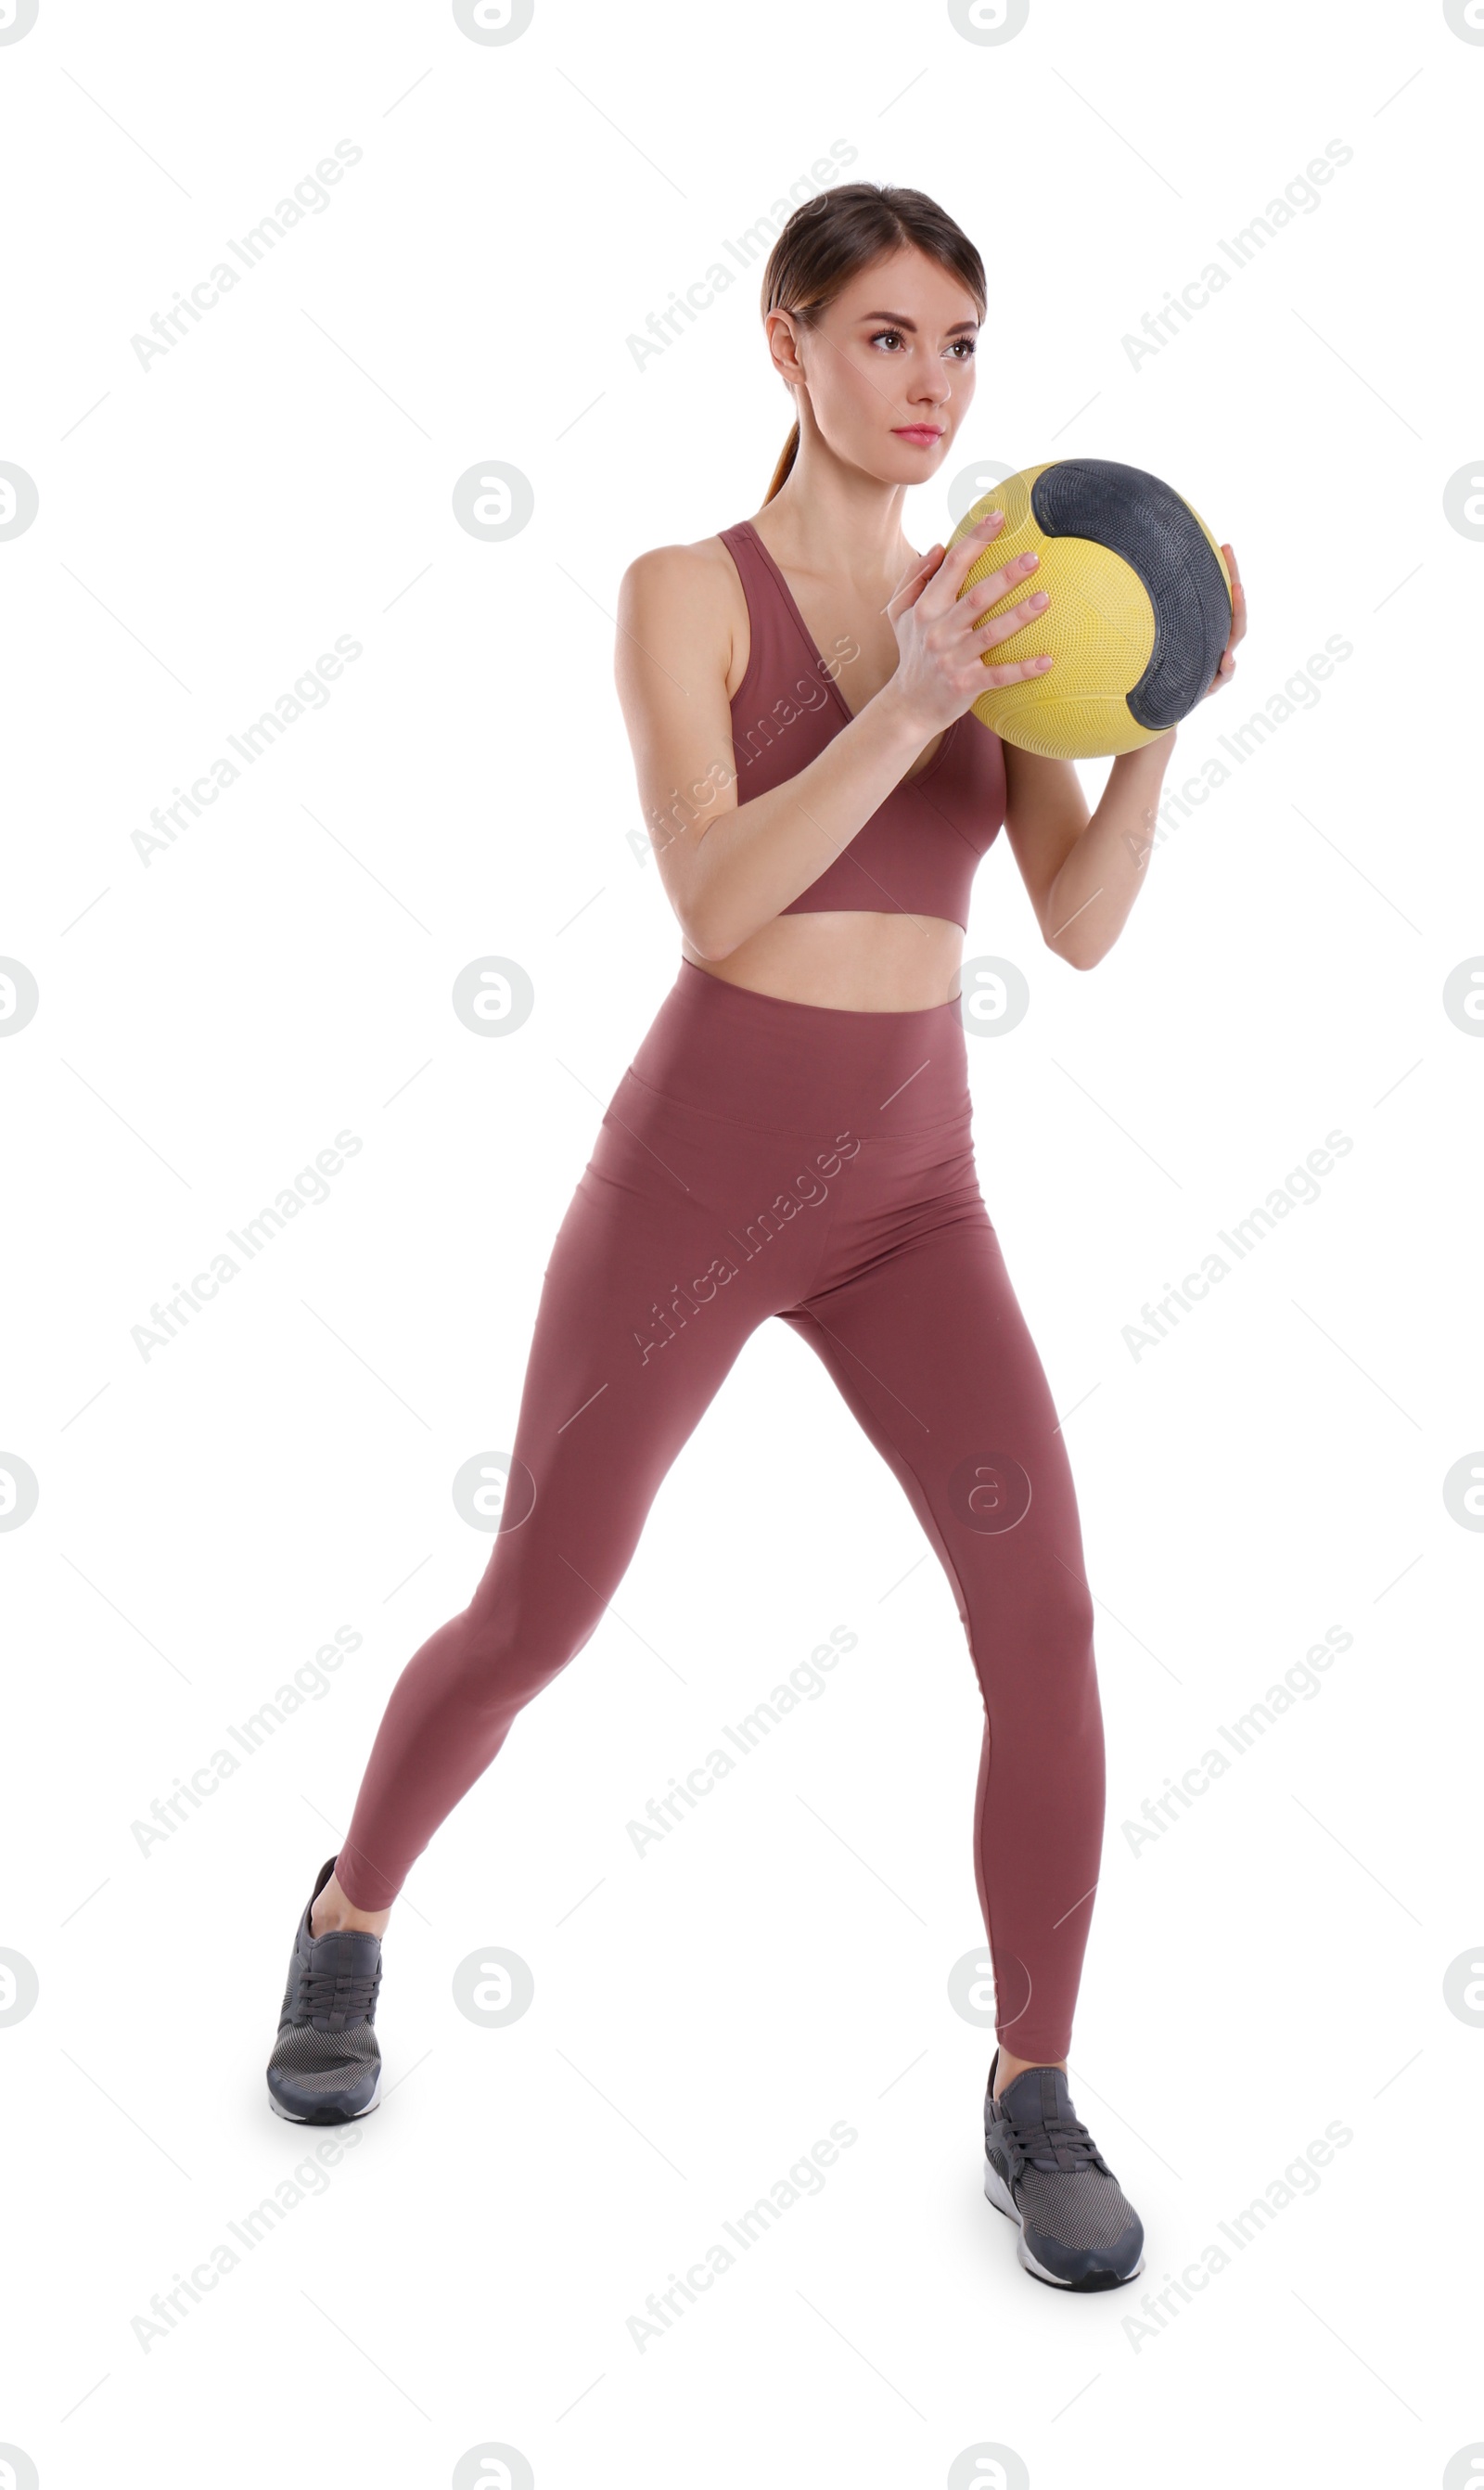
<point>704,937</point>
<point>1076,955</point>
<point>699,912</point>
<point>710,925</point>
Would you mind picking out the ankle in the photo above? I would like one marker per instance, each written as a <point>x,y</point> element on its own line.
<point>333,1910</point>
<point>1007,2068</point>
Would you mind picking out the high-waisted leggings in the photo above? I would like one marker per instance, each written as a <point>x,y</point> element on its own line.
<point>761,1157</point>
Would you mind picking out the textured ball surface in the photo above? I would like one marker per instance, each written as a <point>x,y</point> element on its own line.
<point>1140,610</point>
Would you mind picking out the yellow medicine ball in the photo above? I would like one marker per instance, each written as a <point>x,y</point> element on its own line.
<point>1140,610</point>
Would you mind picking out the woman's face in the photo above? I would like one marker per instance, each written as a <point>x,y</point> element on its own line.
<point>889,368</point>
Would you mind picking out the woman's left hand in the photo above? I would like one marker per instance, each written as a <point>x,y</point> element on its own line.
<point>1228,665</point>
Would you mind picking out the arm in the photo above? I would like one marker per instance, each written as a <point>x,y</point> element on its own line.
<point>1083,873</point>
<point>727,868</point>
<point>730,868</point>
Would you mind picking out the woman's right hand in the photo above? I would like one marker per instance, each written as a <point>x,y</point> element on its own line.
<point>940,638</point>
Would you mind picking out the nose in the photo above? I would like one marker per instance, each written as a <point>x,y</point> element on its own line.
<point>931,388</point>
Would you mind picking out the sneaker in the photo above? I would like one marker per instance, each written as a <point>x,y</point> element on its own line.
<point>1077,2228</point>
<point>327,2062</point>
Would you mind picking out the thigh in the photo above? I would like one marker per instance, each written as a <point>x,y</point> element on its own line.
<point>667,1258</point>
<point>928,1345</point>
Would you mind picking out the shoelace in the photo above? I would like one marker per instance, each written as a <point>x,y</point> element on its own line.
<point>1040,2141</point>
<point>332,1996</point>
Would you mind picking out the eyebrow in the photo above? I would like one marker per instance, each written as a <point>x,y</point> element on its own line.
<point>900,320</point>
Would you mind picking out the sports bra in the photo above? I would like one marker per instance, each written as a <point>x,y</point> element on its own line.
<point>917,854</point>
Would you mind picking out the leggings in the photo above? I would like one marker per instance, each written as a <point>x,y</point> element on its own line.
<point>761,1157</point>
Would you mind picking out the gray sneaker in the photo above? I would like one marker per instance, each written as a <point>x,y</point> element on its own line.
<point>1077,2228</point>
<point>327,2062</point>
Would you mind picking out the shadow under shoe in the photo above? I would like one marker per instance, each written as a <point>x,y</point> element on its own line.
<point>326,2067</point>
<point>1077,2228</point>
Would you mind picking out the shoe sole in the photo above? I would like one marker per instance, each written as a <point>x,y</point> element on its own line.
<point>336,2118</point>
<point>1001,2199</point>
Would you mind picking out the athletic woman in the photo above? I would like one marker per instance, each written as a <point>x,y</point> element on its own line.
<point>793,1138</point>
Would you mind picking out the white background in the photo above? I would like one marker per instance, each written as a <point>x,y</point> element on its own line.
<point>206,1023</point>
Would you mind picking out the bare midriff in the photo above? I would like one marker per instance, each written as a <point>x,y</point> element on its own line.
<point>848,960</point>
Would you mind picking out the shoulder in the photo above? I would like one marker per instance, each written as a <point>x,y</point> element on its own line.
<point>682,596</point>
<point>689,578</point>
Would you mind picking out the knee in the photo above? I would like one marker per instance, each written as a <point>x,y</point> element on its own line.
<point>1062,1640</point>
<point>503,1655</point>
<point>495,1672</point>
<point>1069,1617</point>
<point>1033,1631</point>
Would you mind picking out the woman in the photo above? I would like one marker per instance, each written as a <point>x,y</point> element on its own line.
<point>793,1138</point>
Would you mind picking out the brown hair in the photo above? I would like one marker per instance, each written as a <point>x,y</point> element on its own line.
<point>833,236</point>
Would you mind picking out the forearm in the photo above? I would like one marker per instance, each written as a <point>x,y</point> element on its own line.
<point>746,864</point>
<point>1088,901</point>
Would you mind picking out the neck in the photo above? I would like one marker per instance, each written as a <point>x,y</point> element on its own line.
<point>832,522</point>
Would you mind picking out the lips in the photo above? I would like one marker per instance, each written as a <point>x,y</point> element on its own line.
<point>926,433</point>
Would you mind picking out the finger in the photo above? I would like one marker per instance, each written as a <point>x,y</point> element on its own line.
<point>1239,599</point>
<point>996,675</point>
<point>915,581</point>
<point>988,590</point>
<point>960,558</point>
<point>1003,626</point>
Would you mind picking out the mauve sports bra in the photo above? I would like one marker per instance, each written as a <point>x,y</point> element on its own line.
<point>915,855</point>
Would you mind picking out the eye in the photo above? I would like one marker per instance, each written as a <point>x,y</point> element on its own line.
<point>883,334</point>
<point>968,345</point>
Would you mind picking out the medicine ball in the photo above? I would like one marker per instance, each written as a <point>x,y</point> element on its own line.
<point>1140,610</point>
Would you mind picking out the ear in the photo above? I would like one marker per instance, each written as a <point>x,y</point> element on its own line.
<point>782,346</point>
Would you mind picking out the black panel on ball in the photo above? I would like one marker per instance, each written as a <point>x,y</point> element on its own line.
<point>1161,537</point>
